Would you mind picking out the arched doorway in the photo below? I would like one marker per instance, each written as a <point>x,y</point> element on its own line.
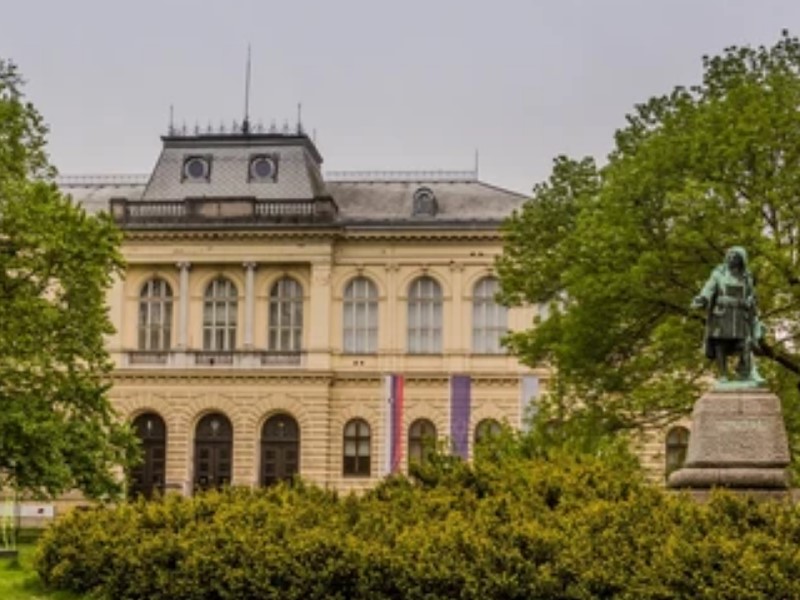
<point>147,478</point>
<point>213,452</point>
<point>280,449</point>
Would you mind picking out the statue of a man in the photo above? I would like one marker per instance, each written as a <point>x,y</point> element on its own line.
<point>732,326</point>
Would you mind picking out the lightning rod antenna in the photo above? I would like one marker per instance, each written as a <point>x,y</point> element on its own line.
<point>246,122</point>
<point>299,118</point>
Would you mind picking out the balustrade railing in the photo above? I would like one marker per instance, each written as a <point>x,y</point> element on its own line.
<point>213,358</point>
<point>145,357</point>
<point>244,359</point>
<point>223,210</point>
<point>274,358</point>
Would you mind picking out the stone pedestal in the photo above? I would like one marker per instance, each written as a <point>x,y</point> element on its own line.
<point>738,440</point>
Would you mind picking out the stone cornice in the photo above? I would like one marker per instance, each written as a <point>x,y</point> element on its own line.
<point>231,235</point>
<point>488,235</point>
<point>298,377</point>
<point>407,235</point>
<point>220,376</point>
<point>484,380</point>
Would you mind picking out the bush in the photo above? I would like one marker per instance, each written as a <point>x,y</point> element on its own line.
<point>505,526</point>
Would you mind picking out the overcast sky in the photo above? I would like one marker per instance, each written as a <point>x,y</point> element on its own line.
<point>386,85</point>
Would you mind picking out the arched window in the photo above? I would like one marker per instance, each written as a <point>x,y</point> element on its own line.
<point>148,476</point>
<point>213,452</point>
<point>356,448</point>
<point>360,318</point>
<point>280,449</point>
<point>285,315</point>
<point>424,316</point>
<point>155,315</point>
<point>421,440</point>
<point>219,315</point>
<point>487,428</point>
<point>489,319</point>
<point>677,443</point>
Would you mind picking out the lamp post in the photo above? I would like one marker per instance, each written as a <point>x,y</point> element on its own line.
<point>8,524</point>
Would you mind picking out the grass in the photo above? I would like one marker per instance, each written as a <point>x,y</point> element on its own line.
<point>18,580</point>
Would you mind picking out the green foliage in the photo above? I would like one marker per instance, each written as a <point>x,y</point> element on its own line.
<point>57,428</point>
<point>18,580</point>
<point>569,526</point>
<point>616,253</point>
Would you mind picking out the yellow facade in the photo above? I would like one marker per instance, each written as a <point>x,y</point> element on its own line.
<point>251,210</point>
<point>329,387</point>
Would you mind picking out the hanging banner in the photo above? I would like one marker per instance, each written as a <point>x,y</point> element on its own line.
<point>460,404</point>
<point>393,446</point>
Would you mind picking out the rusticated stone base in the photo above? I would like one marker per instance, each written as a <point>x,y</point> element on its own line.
<point>738,441</point>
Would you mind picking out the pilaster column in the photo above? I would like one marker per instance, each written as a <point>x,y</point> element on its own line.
<point>249,303</point>
<point>457,323</point>
<point>393,333</point>
<point>319,322</point>
<point>458,338</point>
<point>183,304</point>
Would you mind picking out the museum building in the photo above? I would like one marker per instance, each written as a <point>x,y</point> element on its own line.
<point>274,320</point>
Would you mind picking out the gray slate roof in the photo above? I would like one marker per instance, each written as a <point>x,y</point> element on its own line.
<point>360,202</point>
<point>393,201</point>
<point>371,199</point>
<point>298,168</point>
<point>94,193</point>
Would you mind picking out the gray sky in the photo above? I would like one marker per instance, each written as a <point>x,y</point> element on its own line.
<point>386,85</point>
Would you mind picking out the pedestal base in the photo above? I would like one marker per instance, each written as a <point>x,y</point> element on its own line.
<point>738,441</point>
<point>739,478</point>
<point>759,495</point>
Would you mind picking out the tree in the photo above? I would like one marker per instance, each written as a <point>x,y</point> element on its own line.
<point>615,253</point>
<point>57,428</point>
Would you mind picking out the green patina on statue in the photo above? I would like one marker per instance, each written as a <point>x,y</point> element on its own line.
<point>732,326</point>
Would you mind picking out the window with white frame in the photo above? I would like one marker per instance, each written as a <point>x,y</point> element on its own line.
<point>360,318</point>
<point>489,318</point>
<point>424,316</point>
<point>219,315</point>
<point>155,315</point>
<point>285,315</point>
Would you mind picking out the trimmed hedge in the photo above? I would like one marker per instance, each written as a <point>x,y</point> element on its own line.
<point>502,527</point>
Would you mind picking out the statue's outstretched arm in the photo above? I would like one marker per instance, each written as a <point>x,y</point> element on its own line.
<point>704,298</point>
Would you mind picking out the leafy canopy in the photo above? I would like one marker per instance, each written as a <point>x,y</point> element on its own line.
<point>615,253</point>
<point>57,428</point>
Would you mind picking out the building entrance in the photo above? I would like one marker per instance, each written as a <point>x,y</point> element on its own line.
<point>280,449</point>
<point>213,452</point>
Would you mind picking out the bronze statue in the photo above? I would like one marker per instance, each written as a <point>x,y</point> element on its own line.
<point>732,325</point>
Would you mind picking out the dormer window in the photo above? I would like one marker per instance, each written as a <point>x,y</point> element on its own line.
<point>263,167</point>
<point>425,204</point>
<point>196,168</point>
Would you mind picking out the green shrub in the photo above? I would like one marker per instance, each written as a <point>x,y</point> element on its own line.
<point>505,526</point>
